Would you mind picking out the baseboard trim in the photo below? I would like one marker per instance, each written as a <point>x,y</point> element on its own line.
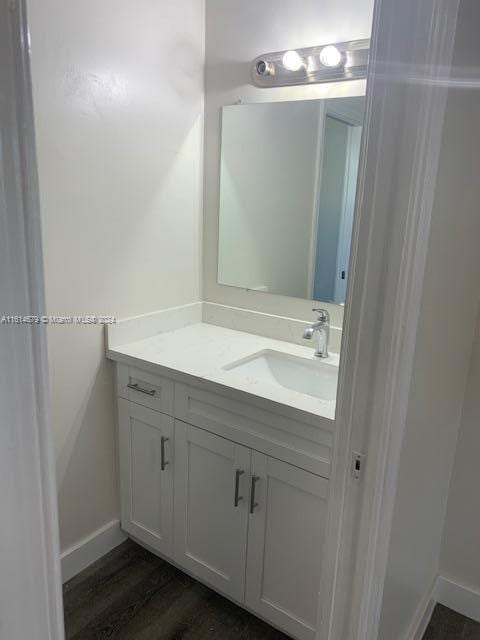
<point>460,597</point>
<point>81,555</point>
<point>423,614</point>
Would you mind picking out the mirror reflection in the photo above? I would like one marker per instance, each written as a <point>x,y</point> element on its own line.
<point>287,196</point>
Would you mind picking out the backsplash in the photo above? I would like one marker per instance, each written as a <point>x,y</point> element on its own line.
<point>263,324</point>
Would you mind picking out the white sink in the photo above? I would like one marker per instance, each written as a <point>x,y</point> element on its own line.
<point>313,377</point>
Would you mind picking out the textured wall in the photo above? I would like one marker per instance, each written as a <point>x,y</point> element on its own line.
<point>119,131</point>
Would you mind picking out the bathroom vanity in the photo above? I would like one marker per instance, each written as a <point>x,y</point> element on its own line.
<point>225,446</point>
<point>226,417</point>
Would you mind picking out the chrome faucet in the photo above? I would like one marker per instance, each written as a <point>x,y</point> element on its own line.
<point>322,329</point>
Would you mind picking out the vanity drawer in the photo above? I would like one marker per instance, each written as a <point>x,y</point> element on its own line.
<point>305,445</point>
<point>145,388</point>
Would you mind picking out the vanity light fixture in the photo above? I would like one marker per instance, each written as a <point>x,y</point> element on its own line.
<point>292,61</point>
<point>330,56</point>
<point>325,63</point>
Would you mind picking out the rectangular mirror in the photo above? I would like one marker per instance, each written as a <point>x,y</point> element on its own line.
<point>287,196</point>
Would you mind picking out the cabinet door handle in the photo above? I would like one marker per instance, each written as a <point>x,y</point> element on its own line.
<point>163,462</point>
<point>253,504</point>
<point>135,387</point>
<point>237,498</point>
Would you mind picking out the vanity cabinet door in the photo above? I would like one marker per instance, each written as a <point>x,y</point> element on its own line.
<point>146,475</point>
<point>211,508</point>
<point>285,545</point>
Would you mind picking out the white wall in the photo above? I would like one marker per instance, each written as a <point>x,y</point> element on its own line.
<point>460,557</point>
<point>269,177</point>
<point>448,314</point>
<point>119,130</point>
<point>236,32</point>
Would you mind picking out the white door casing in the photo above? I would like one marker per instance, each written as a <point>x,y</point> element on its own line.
<point>410,58</point>
<point>30,579</point>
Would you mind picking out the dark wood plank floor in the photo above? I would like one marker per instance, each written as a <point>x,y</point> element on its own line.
<point>130,594</point>
<point>449,625</point>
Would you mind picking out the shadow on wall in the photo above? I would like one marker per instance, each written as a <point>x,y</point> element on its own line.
<point>184,74</point>
<point>87,490</point>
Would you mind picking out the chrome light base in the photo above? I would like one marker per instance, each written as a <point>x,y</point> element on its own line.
<point>269,70</point>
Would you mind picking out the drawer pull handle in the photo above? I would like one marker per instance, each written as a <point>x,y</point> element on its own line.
<point>135,387</point>
<point>237,498</point>
<point>163,462</point>
<point>253,504</point>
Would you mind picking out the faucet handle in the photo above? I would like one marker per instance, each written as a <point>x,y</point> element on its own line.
<point>323,315</point>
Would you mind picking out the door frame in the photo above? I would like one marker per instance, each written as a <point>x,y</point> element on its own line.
<point>349,195</point>
<point>407,86</point>
<point>30,582</point>
<point>325,113</point>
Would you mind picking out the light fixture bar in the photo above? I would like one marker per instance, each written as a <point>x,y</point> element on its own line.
<point>325,63</point>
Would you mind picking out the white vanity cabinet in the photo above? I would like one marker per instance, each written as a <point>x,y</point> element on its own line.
<point>286,532</point>
<point>211,515</point>
<point>142,387</point>
<point>222,499</point>
<point>226,494</point>
<point>146,453</point>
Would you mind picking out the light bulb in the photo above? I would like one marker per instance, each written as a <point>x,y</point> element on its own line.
<point>292,61</point>
<point>330,56</point>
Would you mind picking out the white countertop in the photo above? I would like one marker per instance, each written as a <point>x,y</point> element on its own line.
<point>203,350</point>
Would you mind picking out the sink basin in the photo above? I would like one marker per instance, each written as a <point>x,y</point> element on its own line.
<point>313,377</point>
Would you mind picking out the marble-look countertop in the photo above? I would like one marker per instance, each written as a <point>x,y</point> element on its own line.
<point>203,350</point>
